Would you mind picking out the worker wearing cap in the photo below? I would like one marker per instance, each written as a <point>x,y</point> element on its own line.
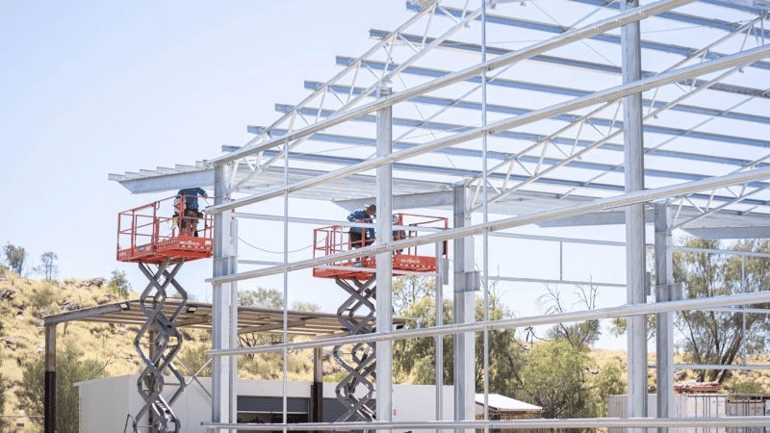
<point>360,236</point>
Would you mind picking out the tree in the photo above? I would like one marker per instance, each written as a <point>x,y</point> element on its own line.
<point>266,298</point>
<point>554,378</point>
<point>716,337</point>
<point>608,382</point>
<point>416,358</point>
<point>506,352</point>
<point>193,360</point>
<point>69,370</point>
<point>410,289</point>
<point>261,298</point>
<point>305,306</point>
<point>580,335</point>
<point>47,266</point>
<point>15,257</point>
<point>119,284</point>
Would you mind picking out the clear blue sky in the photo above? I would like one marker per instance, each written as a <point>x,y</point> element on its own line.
<point>90,88</point>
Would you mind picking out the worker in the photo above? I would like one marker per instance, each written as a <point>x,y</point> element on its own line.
<point>186,201</point>
<point>398,234</point>
<point>360,236</point>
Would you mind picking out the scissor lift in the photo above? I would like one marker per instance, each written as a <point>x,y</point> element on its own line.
<point>160,237</point>
<point>357,314</point>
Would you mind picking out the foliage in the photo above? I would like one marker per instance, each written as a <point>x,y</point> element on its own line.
<point>272,299</point>
<point>69,370</point>
<point>261,298</point>
<point>305,306</point>
<point>506,353</point>
<point>193,359</point>
<point>618,326</point>
<point>15,257</point>
<point>716,337</point>
<point>47,267</point>
<point>608,382</point>
<point>43,299</point>
<point>416,358</point>
<point>748,387</point>
<point>2,391</point>
<point>119,284</point>
<point>554,378</point>
<point>409,290</point>
<point>579,335</point>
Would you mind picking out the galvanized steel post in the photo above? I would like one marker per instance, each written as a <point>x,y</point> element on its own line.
<point>464,296</point>
<point>384,290</point>
<point>224,303</point>
<point>49,411</point>
<point>635,242</point>
<point>664,292</point>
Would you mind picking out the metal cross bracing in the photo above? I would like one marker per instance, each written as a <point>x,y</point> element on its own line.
<point>165,341</point>
<point>357,316</point>
<point>550,151</point>
<point>555,43</point>
<point>602,123</point>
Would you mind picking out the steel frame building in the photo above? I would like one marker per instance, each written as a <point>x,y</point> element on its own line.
<point>560,113</point>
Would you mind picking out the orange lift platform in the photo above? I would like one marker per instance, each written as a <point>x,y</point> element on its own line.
<point>414,260</point>
<point>164,229</point>
<point>162,235</point>
<point>357,313</point>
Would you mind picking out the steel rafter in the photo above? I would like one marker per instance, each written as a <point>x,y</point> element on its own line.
<point>581,65</point>
<point>545,113</point>
<point>459,76</point>
<point>615,39</point>
<point>518,221</point>
<point>348,104</point>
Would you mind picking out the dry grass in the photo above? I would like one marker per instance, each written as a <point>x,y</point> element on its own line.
<point>25,302</point>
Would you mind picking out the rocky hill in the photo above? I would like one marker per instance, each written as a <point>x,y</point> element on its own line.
<point>24,302</point>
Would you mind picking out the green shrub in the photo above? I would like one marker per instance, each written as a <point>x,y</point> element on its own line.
<point>748,387</point>
<point>43,300</point>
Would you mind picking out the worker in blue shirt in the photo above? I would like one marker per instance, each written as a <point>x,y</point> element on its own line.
<point>190,215</point>
<point>360,236</point>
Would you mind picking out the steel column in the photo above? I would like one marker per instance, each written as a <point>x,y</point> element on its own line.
<point>224,309</point>
<point>441,274</point>
<point>664,286</point>
<point>464,297</point>
<point>49,410</point>
<point>317,390</point>
<point>635,242</point>
<point>384,289</point>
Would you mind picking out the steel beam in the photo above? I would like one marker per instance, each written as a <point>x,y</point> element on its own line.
<point>520,322</point>
<point>464,298</point>
<point>384,289</point>
<point>608,38</point>
<point>580,64</point>
<point>664,292</point>
<point>498,62</point>
<point>635,243</point>
<point>518,221</point>
<point>224,310</point>
<point>49,400</point>
<point>505,124</point>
